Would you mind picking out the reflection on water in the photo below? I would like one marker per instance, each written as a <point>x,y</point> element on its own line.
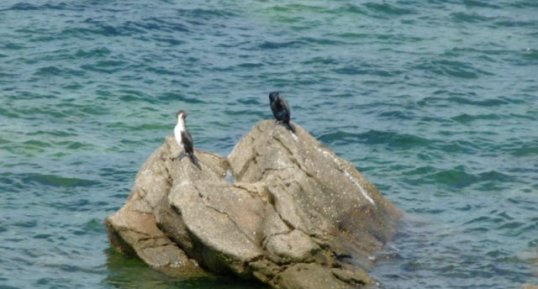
<point>131,273</point>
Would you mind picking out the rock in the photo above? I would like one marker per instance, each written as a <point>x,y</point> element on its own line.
<point>136,233</point>
<point>314,190</point>
<point>297,216</point>
<point>225,220</point>
<point>133,230</point>
<point>529,286</point>
<point>294,246</point>
<point>306,276</point>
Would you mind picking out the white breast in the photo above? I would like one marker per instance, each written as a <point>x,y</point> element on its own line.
<point>180,127</point>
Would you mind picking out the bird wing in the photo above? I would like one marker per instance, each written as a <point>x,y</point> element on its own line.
<point>187,141</point>
<point>283,103</point>
<point>283,111</point>
<point>273,106</point>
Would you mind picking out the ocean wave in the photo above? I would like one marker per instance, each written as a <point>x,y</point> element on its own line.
<point>459,178</point>
<point>453,68</point>
<point>478,3</point>
<point>106,66</point>
<point>92,53</point>
<point>159,24</point>
<point>366,70</point>
<point>467,118</point>
<point>206,14</point>
<point>374,137</point>
<point>49,180</point>
<point>526,149</point>
<point>523,4</point>
<point>471,17</point>
<point>388,9</point>
<point>279,44</point>
<point>57,71</point>
<point>25,6</point>
<point>469,98</point>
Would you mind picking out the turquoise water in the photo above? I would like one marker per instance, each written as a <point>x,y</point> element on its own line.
<point>434,101</point>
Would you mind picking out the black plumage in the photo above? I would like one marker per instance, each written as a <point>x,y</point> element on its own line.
<point>188,146</point>
<point>184,138</point>
<point>280,109</point>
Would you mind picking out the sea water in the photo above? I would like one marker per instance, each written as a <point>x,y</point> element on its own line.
<point>434,101</point>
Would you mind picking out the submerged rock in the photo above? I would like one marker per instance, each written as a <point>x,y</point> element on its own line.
<point>295,215</point>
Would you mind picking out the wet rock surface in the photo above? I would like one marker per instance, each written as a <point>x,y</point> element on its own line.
<point>296,215</point>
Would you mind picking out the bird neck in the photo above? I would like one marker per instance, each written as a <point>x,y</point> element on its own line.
<point>180,123</point>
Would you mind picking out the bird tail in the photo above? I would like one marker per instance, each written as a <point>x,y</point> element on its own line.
<point>194,160</point>
<point>289,126</point>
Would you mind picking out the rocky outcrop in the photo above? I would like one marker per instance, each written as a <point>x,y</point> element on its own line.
<point>295,216</point>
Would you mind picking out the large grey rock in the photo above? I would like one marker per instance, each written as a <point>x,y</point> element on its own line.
<point>314,190</point>
<point>297,216</point>
<point>225,221</point>
<point>134,230</point>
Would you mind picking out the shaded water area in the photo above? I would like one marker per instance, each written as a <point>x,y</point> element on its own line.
<point>435,102</point>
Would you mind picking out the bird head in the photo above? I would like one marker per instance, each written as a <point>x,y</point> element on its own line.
<point>273,96</point>
<point>181,114</point>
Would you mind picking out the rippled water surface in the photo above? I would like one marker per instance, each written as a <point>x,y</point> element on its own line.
<point>435,102</point>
